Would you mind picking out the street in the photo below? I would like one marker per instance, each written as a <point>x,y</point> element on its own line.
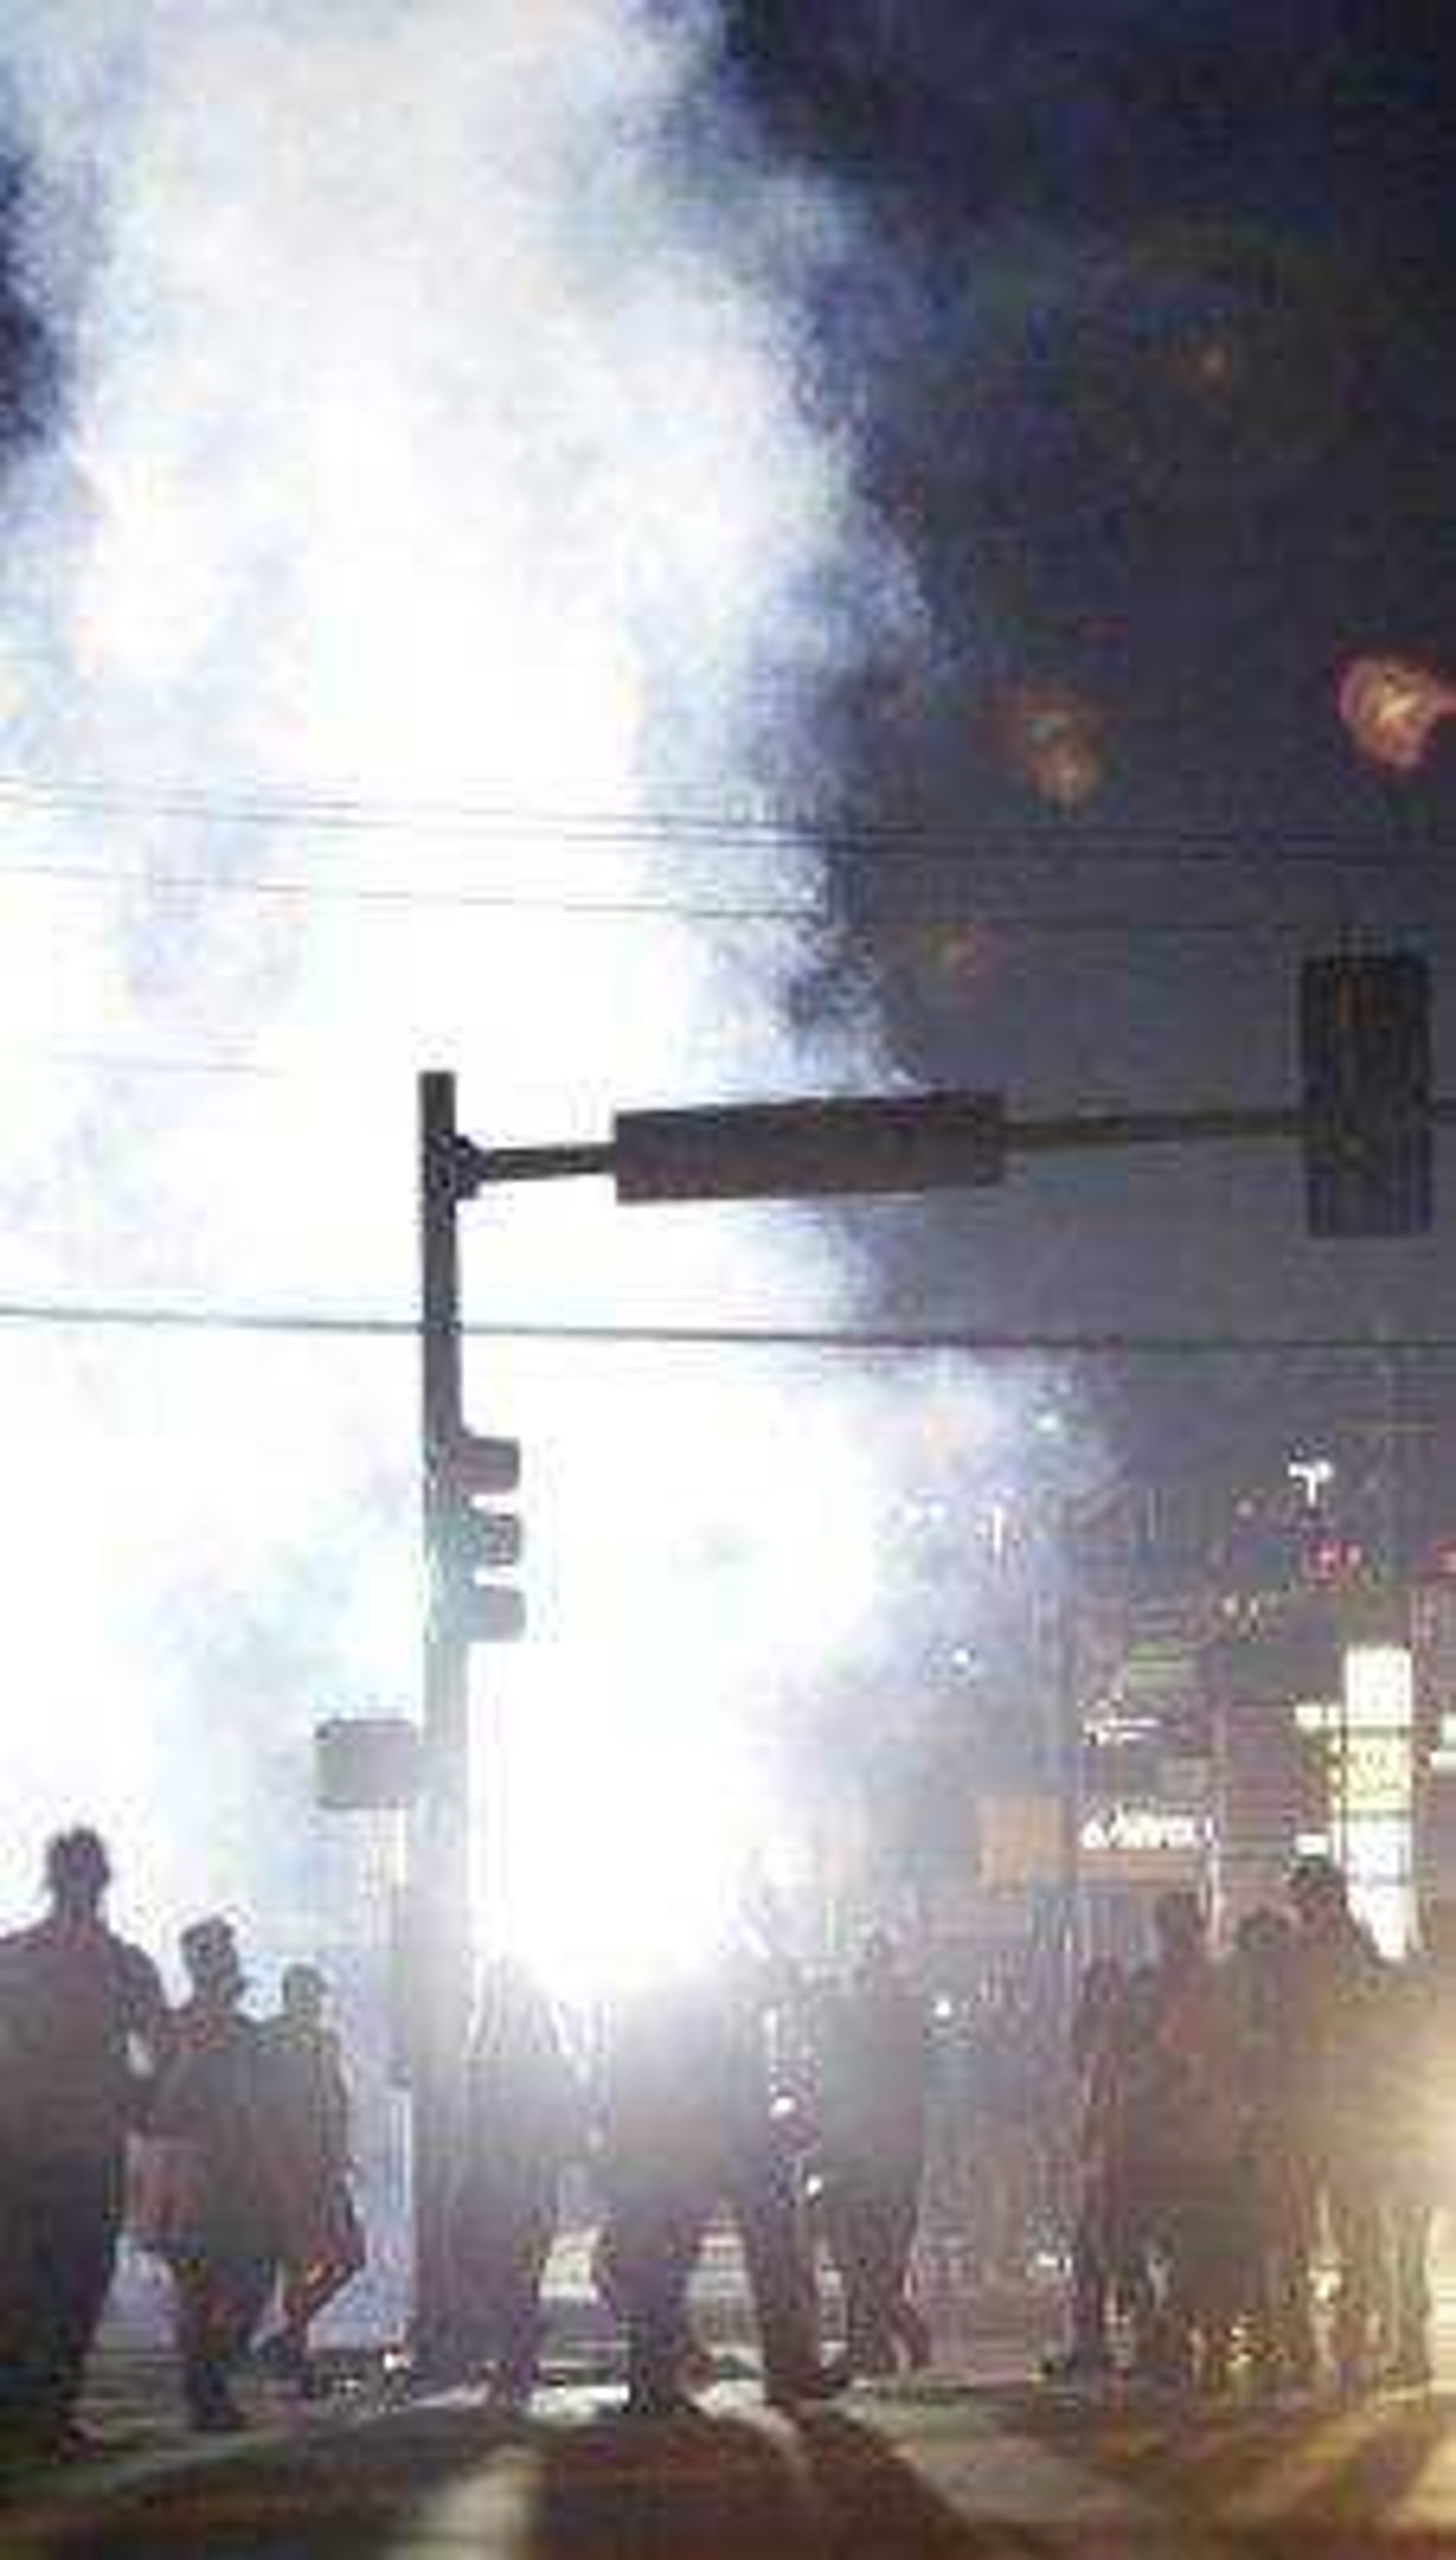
<point>986,2471</point>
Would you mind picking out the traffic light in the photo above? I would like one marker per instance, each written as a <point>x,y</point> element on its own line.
<point>1366,1061</point>
<point>469,1543</point>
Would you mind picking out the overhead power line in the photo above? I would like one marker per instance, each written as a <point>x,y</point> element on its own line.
<point>306,1324</point>
<point>576,830</point>
<point>1257,925</point>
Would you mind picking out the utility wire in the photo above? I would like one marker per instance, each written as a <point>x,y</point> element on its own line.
<point>584,828</point>
<point>306,1324</point>
<point>392,894</point>
<point>1257,925</point>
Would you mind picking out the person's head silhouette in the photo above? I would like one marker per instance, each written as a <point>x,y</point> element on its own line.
<point>77,1871</point>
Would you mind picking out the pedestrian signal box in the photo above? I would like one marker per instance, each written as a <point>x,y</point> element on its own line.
<point>1366,1064</point>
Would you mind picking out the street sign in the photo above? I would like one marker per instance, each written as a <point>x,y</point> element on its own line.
<point>913,1142</point>
<point>367,1764</point>
<point>1143,1844</point>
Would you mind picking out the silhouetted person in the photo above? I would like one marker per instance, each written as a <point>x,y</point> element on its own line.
<point>307,2098</point>
<point>1185,2106</point>
<point>871,2155</point>
<point>1338,2016</point>
<point>219,2220</point>
<point>1422,2177</point>
<point>689,2126</point>
<point>1261,1977</point>
<point>664,2174</point>
<point>79,2011</point>
<point>1109,2250</point>
<point>524,2119</point>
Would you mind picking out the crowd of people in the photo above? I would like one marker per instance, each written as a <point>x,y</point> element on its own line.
<point>1245,2120</point>
<point>221,2138</point>
<point>1250,2121</point>
<point>220,2141</point>
<point>793,2112</point>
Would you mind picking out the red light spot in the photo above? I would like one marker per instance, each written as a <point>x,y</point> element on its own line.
<point>1336,1559</point>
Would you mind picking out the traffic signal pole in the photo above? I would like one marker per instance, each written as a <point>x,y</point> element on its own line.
<point>441,1884</point>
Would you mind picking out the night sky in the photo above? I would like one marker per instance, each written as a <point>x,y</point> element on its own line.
<point>1145,336</point>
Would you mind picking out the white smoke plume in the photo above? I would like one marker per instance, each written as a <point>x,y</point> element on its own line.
<point>424,453</point>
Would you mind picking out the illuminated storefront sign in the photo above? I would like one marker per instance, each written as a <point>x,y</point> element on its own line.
<point>1144,1843</point>
<point>1372,1751</point>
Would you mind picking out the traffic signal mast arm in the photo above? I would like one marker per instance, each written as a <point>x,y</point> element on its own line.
<point>629,1158</point>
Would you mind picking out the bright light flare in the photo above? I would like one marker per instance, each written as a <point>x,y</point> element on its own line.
<point>626,1830</point>
<point>1391,707</point>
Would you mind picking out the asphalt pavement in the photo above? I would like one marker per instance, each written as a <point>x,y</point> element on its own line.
<point>949,2467</point>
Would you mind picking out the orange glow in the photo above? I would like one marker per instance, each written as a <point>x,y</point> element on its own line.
<point>1069,772</point>
<point>1213,363</point>
<point>958,950</point>
<point>1391,708</point>
<point>1054,740</point>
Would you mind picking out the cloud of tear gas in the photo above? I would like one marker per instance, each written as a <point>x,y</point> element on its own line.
<point>428,477</point>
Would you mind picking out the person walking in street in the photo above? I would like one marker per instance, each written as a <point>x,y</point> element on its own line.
<point>523,2121</point>
<point>218,2216</point>
<point>1422,2174</point>
<point>1109,2246</point>
<point>1185,2144</point>
<point>307,2096</point>
<point>872,2156</point>
<point>660,2172</point>
<point>83,2023</point>
<point>1339,2022</point>
<point>753,1983</point>
<point>688,2127</point>
<point>1259,1972</point>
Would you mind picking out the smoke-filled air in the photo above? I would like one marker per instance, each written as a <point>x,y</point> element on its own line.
<point>420,472</point>
<point>418,526</point>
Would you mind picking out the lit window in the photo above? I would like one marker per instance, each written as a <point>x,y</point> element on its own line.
<point>1386,1911</point>
<point>1380,1687</point>
<point>1373,1790</point>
